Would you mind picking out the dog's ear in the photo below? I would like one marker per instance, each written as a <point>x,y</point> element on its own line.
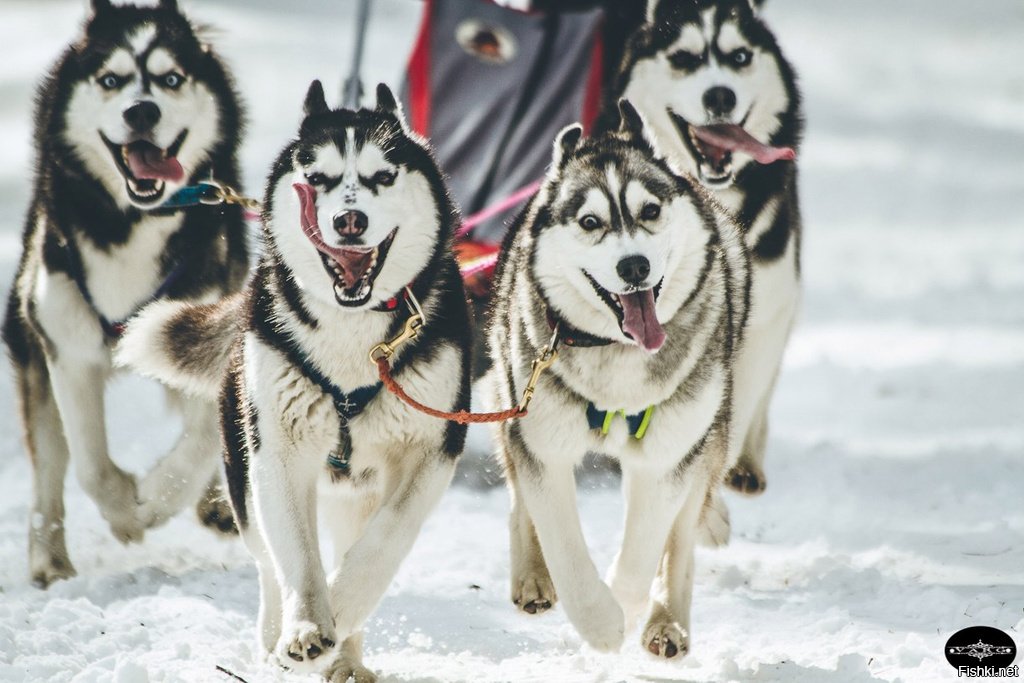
<point>315,103</point>
<point>630,121</point>
<point>101,6</point>
<point>386,101</point>
<point>566,142</point>
<point>756,5</point>
<point>652,6</point>
<point>170,5</point>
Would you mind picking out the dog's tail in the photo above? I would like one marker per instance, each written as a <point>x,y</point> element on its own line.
<point>183,345</point>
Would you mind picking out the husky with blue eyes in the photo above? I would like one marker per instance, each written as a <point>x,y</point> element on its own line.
<point>357,236</point>
<point>722,103</point>
<point>638,280</point>
<point>134,114</point>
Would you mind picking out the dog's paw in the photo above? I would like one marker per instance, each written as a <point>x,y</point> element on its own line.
<point>120,507</point>
<point>345,670</point>
<point>305,646</point>
<point>599,619</point>
<point>533,592</point>
<point>215,512</point>
<point>666,639</point>
<point>46,571</point>
<point>746,478</point>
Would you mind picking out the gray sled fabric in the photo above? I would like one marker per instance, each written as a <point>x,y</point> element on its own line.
<point>492,122</point>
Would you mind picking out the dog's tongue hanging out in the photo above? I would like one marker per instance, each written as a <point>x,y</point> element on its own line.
<point>728,137</point>
<point>639,320</point>
<point>148,162</point>
<point>354,262</point>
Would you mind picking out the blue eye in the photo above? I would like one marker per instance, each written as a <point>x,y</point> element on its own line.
<point>109,81</point>
<point>741,57</point>
<point>172,80</point>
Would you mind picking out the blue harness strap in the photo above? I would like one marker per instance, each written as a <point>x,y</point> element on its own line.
<point>637,423</point>
<point>192,195</point>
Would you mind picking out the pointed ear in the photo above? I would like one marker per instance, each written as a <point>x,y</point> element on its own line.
<point>101,6</point>
<point>315,101</point>
<point>566,142</point>
<point>652,6</point>
<point>630,121</point>
<point>756,5</point>
<point>386,101</point>
<point>171,5</point>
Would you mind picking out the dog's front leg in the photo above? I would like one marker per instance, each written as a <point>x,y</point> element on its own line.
<point>370,564</point>
<point>653,498</point>
<point>181,476</point>
<point>284,503</point>
<point>550,496</point>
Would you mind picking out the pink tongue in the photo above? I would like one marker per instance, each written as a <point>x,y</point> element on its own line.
<point>354,263</point>
<point>148,163</point>
<point>639,320</point>
<point>729,136</point>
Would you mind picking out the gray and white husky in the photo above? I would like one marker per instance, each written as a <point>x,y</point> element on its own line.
<point>722,103</point>
<point>642,281</point>
<point>134,113</point>
<point>358,229</point>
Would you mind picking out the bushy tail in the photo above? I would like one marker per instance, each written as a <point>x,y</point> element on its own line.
<point>183,345</point>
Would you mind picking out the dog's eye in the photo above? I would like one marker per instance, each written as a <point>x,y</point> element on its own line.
<point>740,57</point>
<point>590,222</point>
<point>385,178</point>
<point>109,81</point>
<point>650,212</point>
<point>316,178</point>
<point>686,61</point>
<point>171,80</point>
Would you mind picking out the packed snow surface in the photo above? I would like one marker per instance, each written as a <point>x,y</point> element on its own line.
<point>894,514</point>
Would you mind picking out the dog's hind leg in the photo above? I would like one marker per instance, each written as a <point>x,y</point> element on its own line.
<point>181,476</point>
<point>371,563</point>
<point>48,451</point>
<point>532,589</point>
<point>652,503</point>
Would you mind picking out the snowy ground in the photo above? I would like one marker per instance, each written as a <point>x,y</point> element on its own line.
<point>894,513</point>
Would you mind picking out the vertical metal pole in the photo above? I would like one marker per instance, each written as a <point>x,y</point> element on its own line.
<point>353,89</point>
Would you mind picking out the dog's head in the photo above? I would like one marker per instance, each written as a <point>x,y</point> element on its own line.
<point>619,238</point>
<point>356,207</point>
<point>709,76</point>
<point>147,101</point>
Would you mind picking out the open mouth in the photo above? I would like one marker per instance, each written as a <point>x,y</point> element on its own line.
<point>353,269</point>
<point>713,145</point>
<point>146,167</point>
<point>635,312</point>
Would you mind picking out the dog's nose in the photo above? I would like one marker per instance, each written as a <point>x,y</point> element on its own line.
<point>142,116</point>
<point>634,269</point>
<point>719,100</point>
<point>351,223</point>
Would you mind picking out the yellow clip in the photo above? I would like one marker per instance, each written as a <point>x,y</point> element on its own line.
<point>387,349</point>
<point>225,194</point>
<point>540,364</point>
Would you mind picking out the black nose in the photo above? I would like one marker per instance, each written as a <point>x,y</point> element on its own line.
<point>634,269</point>
<point>351,223</point>
<point>142,116</point>
<point>719,100</point>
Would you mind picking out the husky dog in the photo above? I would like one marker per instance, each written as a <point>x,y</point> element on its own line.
<point>358,224</point>
<point>132,113</point>
<point>642,281</point>
<point>723,105</point>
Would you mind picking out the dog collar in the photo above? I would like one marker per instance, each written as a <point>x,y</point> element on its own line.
<point>570,336</point>
<point>602,419</point>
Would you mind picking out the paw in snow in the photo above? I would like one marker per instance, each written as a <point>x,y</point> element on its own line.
<point>746,478</point>
<point>120,507</point>
<point>302,644</point>
<point>666,639</point>
<point>533,592</point>
<point>599,618</point>
<point>49,569</point>
<point>346,669</point>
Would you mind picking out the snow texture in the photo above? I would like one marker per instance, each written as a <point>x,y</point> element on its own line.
<point>894,512</point>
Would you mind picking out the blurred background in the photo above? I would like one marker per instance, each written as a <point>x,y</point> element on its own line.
<point>893,514</point>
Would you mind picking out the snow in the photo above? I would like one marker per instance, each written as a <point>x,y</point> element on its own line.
<point>893,515</point>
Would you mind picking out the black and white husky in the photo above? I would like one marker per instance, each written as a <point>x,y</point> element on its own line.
<point>131,115</point>
<point>358,229</point>
<point>722,103</point>
<point>641,280</point>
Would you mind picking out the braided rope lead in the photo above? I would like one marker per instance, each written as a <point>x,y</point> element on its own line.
<point>381,354</point>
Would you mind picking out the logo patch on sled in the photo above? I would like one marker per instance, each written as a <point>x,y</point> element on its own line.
<point>487,42</point>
